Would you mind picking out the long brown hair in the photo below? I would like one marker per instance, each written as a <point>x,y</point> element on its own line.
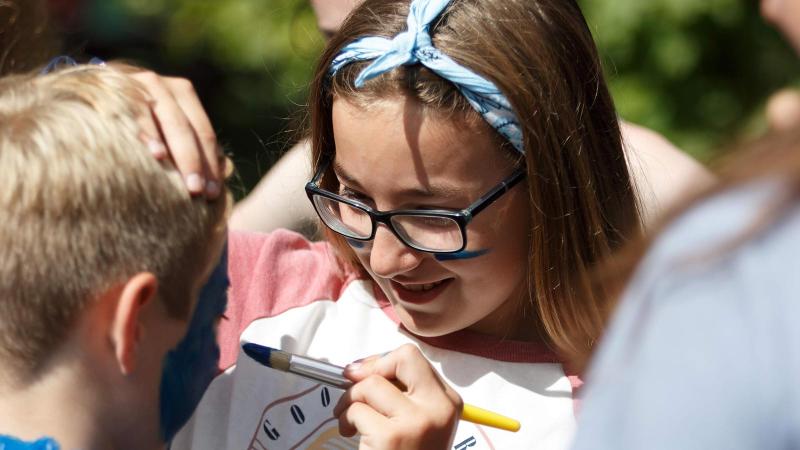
<point>541,55</point>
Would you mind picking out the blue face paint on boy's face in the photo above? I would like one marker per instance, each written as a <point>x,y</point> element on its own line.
<point>192,364</point>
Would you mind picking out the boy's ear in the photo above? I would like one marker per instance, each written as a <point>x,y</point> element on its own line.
<point>126,326</point>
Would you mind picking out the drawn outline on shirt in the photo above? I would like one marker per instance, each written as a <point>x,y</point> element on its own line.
<point>263,420</point>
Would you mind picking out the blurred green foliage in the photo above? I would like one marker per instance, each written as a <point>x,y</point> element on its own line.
<point>250,61</point>
<point>697,71</point>
<point>276,38</point>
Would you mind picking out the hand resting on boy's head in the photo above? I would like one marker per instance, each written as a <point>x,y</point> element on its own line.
<point>180,129</point>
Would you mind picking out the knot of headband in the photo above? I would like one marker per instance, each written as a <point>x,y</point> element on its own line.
<point>415,46</point>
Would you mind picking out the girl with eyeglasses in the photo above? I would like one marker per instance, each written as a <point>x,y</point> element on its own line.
<point>469,170</point>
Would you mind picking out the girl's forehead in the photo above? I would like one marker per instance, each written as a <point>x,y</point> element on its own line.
<point>397,144</point>
<point>403,132</point>
<point>437,186</point>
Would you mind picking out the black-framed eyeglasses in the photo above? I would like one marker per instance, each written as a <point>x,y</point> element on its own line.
<point>432,231</point>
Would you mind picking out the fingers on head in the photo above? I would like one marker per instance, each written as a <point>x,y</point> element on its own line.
<point>181,121</point>
<point>151,136</point>
<point>189,102</point>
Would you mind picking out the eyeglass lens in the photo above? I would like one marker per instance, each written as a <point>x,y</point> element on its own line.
<point>343,218</point>
<point>430,233</point>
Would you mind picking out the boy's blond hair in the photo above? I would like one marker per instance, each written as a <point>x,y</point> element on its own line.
<point>83,206</point>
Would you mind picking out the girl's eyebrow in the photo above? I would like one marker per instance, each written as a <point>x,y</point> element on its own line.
<point>436,190</point>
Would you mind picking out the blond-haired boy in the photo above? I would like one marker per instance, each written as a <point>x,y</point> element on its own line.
<point>103,255</point>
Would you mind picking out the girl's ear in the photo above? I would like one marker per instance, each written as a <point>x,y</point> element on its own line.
<point>126,326</point>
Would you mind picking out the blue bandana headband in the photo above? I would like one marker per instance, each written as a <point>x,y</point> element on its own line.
<point>415,46</point>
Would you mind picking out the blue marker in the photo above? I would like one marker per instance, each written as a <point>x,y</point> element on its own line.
<point>189,368</point>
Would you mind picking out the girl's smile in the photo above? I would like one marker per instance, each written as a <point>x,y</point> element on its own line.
<point>419,293</point>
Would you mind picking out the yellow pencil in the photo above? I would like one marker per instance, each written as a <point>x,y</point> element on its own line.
<point>482,416</point>
<point>333,375</point>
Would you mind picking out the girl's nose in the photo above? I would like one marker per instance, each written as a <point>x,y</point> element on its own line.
<point>390,256</point>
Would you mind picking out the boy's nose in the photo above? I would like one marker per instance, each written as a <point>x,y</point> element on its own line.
<point>390,256</point>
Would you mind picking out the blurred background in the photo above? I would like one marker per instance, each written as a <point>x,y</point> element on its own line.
<point>698,72</point>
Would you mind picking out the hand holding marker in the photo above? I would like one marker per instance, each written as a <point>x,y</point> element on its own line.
<point>333,375</point>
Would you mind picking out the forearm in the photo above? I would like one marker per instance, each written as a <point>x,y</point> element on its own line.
<point>279,200</point>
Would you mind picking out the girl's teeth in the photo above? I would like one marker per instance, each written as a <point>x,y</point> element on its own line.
<point>421,287</point>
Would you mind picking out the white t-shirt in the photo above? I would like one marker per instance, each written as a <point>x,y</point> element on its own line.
<point>290,294</point>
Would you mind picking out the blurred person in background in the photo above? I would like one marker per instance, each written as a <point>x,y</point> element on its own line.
<point>783,108</point>
<point>704,349</point>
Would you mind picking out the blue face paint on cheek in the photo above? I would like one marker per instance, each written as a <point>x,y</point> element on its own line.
<point>12,443</point>
<point>356,244</point>
<point>192,364</point>
<point>461,255</point>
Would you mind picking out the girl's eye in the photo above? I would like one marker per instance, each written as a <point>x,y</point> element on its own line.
<point>346,192</point>
<point>350,194</point>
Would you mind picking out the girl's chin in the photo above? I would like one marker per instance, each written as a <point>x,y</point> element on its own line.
<point>427,325</point>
